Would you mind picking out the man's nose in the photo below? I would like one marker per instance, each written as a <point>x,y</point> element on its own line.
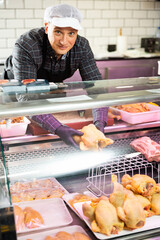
<point>63,39</point>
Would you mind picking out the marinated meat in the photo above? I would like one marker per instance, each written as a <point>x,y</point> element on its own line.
<point>140,184</point>
<point>19,218</point>
<point>3,81</point>
<point>79,198</point>
<point>32,218</point>
<point>13,120</point>
<point>134,108</point>
<point>26,81</point>
<point>92,139</point>
<point>149,148</point>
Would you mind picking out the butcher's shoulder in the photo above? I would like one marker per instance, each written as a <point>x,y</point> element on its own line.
<point>31,40</point>
<point>82,43</point>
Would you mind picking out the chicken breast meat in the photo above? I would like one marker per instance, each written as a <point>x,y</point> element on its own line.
<point>19,218</point>
<point>80,236</point>
<point>64,236</point>
<point>32,218</point>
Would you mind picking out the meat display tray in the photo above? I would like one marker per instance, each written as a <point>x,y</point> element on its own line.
<point>14,129</point>
<point>54,212</point>
<point>141,117</point>
<point>42,235</point>
<point>151,223</point>
<point>22,191</point>
<point>70,196</point>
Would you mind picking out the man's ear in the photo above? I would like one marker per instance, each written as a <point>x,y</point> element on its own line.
<point>46,27</point>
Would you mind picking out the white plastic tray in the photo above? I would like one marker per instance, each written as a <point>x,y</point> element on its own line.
<point>27,187</point>
<point>54,212</point>
<point>135,118</point>
<point>14,129</point>
<point>70,196</point>
<point>151,223</point>
<point>52,233</point>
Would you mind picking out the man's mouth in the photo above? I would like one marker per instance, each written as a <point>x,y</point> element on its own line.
<point>63,47</point>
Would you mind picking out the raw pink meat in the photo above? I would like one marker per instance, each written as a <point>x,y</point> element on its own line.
<point>149,148</point>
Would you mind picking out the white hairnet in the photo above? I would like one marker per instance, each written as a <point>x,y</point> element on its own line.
<point>63,15</point>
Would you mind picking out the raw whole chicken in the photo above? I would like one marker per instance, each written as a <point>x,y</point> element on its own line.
<point>146,204</point>
<point>92,139</point>
<point>155,203</point>
<point>132,212</point>
<point>105,218</point>
<point>140,184</point>
<point>32,218</point>
<point>19,218</point>
<point>128,207</point>
<point>134,108</point>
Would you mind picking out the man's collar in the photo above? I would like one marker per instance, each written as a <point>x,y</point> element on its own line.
<point>64,56</point>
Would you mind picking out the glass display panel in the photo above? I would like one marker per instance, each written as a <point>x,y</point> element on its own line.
<point>5,199</point>
<point>35,99</point>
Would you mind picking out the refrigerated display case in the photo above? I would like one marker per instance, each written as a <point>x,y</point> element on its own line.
<point>27,158</point>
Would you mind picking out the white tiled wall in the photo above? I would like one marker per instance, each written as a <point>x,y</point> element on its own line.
<point>102,20</point>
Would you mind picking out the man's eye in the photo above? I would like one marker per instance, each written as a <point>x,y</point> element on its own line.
<point>71,33</point>
<point>58,32</point>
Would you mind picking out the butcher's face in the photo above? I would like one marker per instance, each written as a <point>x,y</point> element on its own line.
<point>61,39</point>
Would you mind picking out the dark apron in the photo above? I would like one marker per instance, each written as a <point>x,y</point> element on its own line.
<point>7,73</point>
<point>50,75</point>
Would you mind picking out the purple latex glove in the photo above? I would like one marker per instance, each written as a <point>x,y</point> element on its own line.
<point>66,134</point>
<point>100,125</point>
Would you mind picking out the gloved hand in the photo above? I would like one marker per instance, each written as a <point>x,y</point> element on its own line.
<point>66,133</point>
<point>100,125</point>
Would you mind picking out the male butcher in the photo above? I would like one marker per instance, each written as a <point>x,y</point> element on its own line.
<point>54,52</point>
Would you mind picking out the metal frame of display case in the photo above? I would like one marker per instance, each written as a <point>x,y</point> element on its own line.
<point>75,96</point>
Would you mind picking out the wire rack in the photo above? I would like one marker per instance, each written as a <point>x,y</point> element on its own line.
<point>99,178</point>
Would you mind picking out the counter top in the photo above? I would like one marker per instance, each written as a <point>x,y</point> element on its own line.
<point>128,55</point>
